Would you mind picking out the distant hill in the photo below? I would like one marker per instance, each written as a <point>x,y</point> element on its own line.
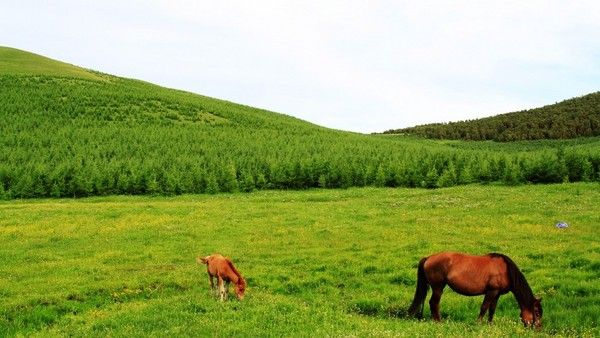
<point>576,117</point>
<point>71,132</point>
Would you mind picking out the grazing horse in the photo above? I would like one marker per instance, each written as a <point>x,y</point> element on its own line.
<point>222,268</point>
<point>491,275</point>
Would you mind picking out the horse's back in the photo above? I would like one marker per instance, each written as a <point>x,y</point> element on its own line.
<point>216,264</point>
<point>467,274</point>
<point>221,266</point>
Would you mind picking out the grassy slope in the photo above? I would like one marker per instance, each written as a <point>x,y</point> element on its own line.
<point>114,122</point>
<point>17,62</point>
<point>320,262</point>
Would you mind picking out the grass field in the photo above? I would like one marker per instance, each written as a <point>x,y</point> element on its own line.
<point>318,262</point>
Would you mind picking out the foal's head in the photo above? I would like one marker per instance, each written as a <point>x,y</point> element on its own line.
<point>533,317</point>
<point>202,260</point>
<point>240,288</point>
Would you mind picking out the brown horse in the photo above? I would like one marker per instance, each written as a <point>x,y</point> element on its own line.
<point>222,268</point>
<point>491,275</point>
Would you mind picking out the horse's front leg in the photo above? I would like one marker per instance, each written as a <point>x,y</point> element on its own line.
<point>221,286</point>
<point>227,290</point>
<point>487,300</point>
<point>434,302</point>
<point>493,308</point>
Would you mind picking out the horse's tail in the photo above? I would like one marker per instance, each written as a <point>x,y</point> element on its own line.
<point>416,308</point>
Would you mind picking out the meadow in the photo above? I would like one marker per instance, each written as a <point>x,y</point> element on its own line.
<point>319,262</point>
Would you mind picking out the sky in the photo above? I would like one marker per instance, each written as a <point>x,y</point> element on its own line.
<point>363,66</point>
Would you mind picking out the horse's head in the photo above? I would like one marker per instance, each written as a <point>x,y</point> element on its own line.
<point>537,313</point>
<point>240,288</point>
<point>533,317</point>
<point>202,260</point>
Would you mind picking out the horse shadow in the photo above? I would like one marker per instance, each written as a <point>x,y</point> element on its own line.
<point>373,308</point>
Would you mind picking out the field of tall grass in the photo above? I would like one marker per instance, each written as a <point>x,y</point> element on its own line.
<point>318,262</point>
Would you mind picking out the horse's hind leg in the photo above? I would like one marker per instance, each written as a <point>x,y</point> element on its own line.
<point>212,282</point>
<point>490,299</point>
<point>434,301</point>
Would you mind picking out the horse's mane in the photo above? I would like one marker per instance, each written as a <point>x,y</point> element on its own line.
<point>241,279</point>
<point>519,285</point>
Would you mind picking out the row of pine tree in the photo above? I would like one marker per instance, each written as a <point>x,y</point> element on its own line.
<point>577,117</point>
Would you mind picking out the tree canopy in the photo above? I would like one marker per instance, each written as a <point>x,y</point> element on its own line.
<point>573,118</point>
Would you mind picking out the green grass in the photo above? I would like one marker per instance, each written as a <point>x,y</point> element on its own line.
<point>17,62</point>
<point>318,262</point>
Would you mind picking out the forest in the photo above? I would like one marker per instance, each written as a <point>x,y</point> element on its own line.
<point>90,134</point>
<point>573,118</point>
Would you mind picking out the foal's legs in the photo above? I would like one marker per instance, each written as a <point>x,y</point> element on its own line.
<point>221,286</point>
<point>489,302</point>
<point>212,282</point>
<point>434,301</point>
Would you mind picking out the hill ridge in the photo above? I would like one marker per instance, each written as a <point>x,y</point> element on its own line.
<point>570,118</point>
<point>15,61</point>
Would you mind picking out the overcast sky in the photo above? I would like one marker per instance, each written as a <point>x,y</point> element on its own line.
<point>354,65</point>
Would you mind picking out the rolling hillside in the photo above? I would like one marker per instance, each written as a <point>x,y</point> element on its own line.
<point>573,118</point>
<point>71,132</point>
<point>18,62</point>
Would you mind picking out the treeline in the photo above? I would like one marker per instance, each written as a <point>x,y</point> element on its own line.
<point>178,175</point>
<point>82,177</point>
<point>63,137</point>
<point>577,117</point>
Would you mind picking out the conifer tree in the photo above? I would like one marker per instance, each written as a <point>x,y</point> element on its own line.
<point>247,184</point>
<point>431,179</point>
<point>381,177</point>
<point>512,174</point>
<point>322,181</point>
<point>212,185</point>
<point>261,181</point>
<point>448,177</point>
<point>229,181</point>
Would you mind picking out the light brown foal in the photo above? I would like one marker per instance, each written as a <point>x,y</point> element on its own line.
<point>223,269</point>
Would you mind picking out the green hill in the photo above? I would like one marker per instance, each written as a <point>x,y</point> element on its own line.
<point>576,117</point>
<point>66,131</point>
<point>18,62</point>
